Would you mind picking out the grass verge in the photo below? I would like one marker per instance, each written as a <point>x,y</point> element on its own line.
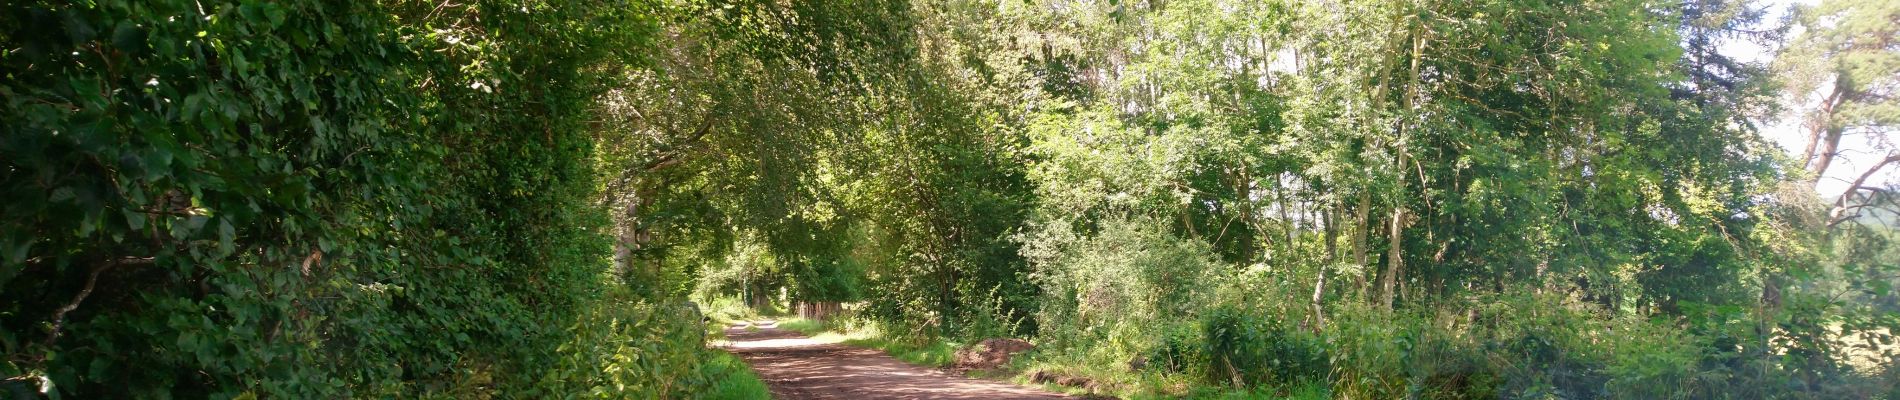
<point>934,352</point>
<point>1115,381</point>
<point>733,379</point>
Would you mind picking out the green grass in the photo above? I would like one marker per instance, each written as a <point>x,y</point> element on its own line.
<point>727,310</point>
<point>715,332</point>
<point>807,327</point>
<point>935,353</point>
<point>1306,392</point>
<point>1114,379</point>
<point>733,379</point>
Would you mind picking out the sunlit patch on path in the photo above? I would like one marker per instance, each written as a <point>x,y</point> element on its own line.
<point>798,367</point>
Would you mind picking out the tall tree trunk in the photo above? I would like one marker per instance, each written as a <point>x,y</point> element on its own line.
<point>1827,134</point>
<point>1394,264</point>
<point>1359,232</point>
<point>1319,293</point>
<point>1286,217</point>
<point>1817,126</point>
<point>1830,146</point>
<point>1395,237</point>
<point>1330,218</point>
<point>1251,246</point>
<point>626,239</point>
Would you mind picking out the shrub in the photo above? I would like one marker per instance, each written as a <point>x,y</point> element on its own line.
<point>1370,350</point>
<point>988,317</point>
<point>727,309</point>
<point>1182,349</point>
<point>624,347</point>
<point>299,199</point>
<point>1245,349</point>
<point>1544,346</point>
<point>1129,279</point>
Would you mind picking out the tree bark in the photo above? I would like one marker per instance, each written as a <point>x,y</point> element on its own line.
<point>624,241</point>
<point>1394,264</point>
<point>1817,127</point>
<point>630,236</point>
<point>1830,146</point>
<point>1828,134</point>
<point>1319,292</point>
<point>1329,219</point>
<point>58,320</point>
<point>1359,241</point>
<point>1279,193</point>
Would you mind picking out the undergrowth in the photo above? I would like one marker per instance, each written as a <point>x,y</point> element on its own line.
<point>631,348</point>
<point>1114,320</point>
<point>1521,345</point>
<point>733,380</point>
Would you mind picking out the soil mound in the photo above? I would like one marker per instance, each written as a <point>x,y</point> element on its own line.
<point>990,353</point>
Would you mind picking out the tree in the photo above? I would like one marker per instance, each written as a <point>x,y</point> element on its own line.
<point>1845,65</point>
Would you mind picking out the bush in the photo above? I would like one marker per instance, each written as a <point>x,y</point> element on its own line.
<point>1518,344</point>
<point>300,199</point>
<point>633,349</point>
<point>1182,349</point>
<point>1120,286</point>
<point>1372,351</point>
<point>989,316</point>
<point>727,309</point>
<point>1245,349</point>
<point>1511,346</point>
<point>1547,347</point>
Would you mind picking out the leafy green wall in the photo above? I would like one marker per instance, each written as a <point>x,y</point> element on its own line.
<point>302,199</point>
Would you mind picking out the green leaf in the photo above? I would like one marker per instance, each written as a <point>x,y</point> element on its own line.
<point>16,247</point>
<point>134,219</point>
<point>227,234</point>
<point>128,37</point>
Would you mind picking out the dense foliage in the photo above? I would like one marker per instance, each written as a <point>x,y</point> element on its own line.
<point>1370,198</point>
<point>317,200</point>
<point>1356,199</point>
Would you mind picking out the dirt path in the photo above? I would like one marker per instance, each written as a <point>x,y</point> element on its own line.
<point>797,367</point>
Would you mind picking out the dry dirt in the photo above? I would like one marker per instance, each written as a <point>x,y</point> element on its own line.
<point>797,367</point>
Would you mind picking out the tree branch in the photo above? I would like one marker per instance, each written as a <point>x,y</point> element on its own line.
<point>92,279</point>
<point>1840,204</point>
<point>664,161</point>
<point>673,158</point>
